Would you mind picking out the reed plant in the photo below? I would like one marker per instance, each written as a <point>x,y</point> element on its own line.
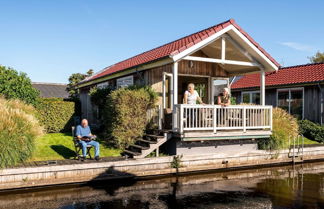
<point>18,130</point>
<point>285,130</point>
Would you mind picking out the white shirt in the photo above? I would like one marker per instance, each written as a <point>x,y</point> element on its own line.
<point>192,98</point>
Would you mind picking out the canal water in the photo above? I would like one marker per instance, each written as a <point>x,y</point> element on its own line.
<point>299,186</point>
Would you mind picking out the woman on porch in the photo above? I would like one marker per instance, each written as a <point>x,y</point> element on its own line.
<point>191,96</point>
<point>224,99</point>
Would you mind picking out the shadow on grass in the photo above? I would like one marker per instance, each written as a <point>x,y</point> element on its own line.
<point>64,151</point>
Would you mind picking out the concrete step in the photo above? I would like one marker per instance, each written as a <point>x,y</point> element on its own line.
<point>154,136</point>
<point>139,147</point>
<point>132,153</point>
<point>146,141</point>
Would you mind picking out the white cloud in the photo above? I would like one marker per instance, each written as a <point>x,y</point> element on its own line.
<point>298,46</point>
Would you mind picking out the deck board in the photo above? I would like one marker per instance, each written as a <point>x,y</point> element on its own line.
<point>221,135</point>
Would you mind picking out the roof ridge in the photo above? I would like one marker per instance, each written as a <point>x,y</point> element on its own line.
<point>230,20</point>
<point>45,83</point>
<point>301,65</point>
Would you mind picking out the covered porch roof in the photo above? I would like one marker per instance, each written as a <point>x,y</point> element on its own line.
<point>226,44</point>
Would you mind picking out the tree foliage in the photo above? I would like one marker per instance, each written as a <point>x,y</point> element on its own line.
<point>317,58</point>
<point>17,85</point>
<point>74,79</point>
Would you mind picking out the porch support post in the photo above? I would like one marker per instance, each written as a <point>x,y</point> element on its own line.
<point>262,87</point>
<point>223,50</point>
<point>175,95</point>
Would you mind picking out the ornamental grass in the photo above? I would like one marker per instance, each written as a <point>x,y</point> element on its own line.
<point>18,130</point>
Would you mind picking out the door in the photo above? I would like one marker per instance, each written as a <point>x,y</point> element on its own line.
<point>291,100</point>
<point>217,86</point>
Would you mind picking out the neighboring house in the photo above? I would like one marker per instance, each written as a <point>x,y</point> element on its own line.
<point>208,58</point>
<point>297,89</point>
<point>51,90</point>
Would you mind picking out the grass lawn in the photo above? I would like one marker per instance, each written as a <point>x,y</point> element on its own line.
<point>308,141</point>
<point>59,146</point>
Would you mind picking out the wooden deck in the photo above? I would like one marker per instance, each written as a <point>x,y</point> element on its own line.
<point>223,135</point>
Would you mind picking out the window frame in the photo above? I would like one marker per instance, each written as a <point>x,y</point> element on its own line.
<point>289,102</point>
<point>250,96</point>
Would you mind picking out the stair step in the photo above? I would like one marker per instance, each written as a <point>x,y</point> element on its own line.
<point>132,153</point>
<point>154,136</point>
<point>146,141</point>
<point>140,147</point>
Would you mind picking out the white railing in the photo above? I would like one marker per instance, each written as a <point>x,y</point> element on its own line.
<point>216,117</point>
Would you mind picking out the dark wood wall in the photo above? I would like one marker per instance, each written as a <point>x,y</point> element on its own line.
<point>153,77</point>
<point>312,109</point>
<point>312,100</point>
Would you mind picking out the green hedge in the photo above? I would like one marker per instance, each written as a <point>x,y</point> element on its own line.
<point>125,113</point>
<point>18,130</point>
<point>312,131</point>
<point>56,115</point>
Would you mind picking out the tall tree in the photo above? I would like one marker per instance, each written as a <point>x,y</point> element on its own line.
<point>17,85</point>
<point>74,79</point>
<point>317,58</point>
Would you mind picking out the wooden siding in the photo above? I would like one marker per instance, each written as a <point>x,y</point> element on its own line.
<point>312,109</point>
<point>312,100</point>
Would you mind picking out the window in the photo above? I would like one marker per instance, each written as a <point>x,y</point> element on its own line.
<point>250,97</point>
<point>102,85</point>
<point>125,81</point>
<point>291,100</point>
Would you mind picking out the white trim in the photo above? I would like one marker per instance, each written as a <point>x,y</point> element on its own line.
<point>255,48</point>
<point>239,47</point>
<point>262,88</point>
<point>193,75</point>
<point>220,61</point>
<point>201,44</point>
<point>223,55</point>
<point>175,94</point>
<point>217,35</point>
<point>289,96</point>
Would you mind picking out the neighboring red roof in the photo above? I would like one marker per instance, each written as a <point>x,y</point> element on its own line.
<point>288,75</point>
<point>174,48</point>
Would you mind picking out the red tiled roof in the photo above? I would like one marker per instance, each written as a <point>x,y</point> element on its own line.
<point>288,75</point>
<point>174,48</point>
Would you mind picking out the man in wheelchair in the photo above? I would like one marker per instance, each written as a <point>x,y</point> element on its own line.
<point>86,138</point>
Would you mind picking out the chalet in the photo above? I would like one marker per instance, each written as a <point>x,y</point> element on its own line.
<point>208,58</point>
<point>297,89</point>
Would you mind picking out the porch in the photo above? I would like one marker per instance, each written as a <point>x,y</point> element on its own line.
<point>211,66</point>
<point>210,122</point>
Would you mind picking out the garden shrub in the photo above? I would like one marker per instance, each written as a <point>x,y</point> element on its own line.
<point>312,131</point>
<point>285,128</point>
<point>125,113</point>
<point>56,115</point>
<point>14,85</point>
<point>18,130</point>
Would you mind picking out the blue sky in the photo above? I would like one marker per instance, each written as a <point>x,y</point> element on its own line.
<point>49,40</point>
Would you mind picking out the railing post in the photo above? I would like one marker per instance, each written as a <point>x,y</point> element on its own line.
<point>160,117</point>
<point>181,119</point>
<point>244,119</point>
<point>214,120</point>
<point>270,118</point>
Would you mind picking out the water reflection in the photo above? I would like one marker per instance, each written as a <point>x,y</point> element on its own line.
<point>301,186</point>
